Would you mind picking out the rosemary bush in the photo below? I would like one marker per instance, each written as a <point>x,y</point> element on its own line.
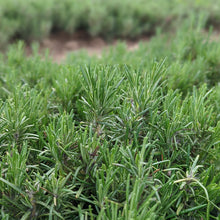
<point>139,139</point>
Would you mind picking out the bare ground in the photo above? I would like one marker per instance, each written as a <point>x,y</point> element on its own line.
<point>61,44</point>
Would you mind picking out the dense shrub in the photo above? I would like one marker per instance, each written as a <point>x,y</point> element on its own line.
<point>132,135</point>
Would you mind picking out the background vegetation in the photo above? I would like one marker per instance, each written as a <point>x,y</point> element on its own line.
<point>130,135</point>
<point>35,19</point>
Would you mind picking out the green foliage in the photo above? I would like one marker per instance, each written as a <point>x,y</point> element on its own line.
<point>25,20</point>
<point>132,135</point>
<point>35,19</point>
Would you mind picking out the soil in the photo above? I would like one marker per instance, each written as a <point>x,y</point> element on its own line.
<point>60,44</point>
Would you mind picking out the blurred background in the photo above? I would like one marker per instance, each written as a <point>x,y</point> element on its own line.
<point>92,25</point>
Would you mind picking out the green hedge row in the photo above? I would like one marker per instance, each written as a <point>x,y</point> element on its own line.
<point>35,19</point>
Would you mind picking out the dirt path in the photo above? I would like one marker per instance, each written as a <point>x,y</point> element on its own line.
<point>61,44</point>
